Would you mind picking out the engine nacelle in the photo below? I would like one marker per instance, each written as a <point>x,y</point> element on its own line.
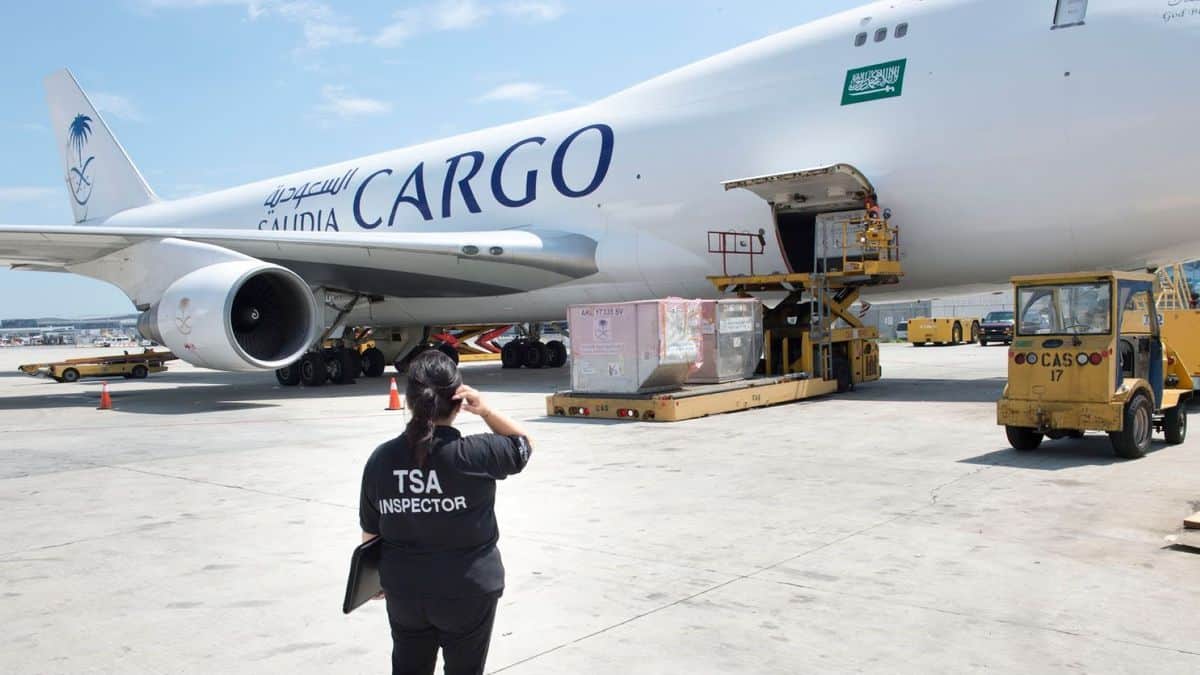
<point>243,315</point>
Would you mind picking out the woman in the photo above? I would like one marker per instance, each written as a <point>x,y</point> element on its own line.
<point>430,494</point>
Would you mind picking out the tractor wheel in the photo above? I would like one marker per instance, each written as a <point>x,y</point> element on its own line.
<point>70,375</point>
<point>1023,438</point>
<point>1175,423</point>
<point>956,334</point>
<point>974,332</point>
<point>140,372</point>
<point>1133,440</point>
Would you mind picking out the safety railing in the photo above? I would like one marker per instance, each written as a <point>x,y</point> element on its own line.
<point>736,244</point>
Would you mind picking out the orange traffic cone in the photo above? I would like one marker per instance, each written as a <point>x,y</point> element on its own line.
<point>394,402</point>
<point>105,399</point>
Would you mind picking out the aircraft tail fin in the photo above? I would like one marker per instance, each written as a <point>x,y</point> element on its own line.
<point>101,179</point>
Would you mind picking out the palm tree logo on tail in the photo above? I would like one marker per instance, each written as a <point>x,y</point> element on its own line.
<point>78,178</point>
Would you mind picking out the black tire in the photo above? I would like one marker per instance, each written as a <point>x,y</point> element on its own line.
<point>534,355</point>
<point>70,375</point>
<point>956,334</point>
<point>558,354</point>
<point>975,331</point>
<point>510,354</point>
<point>313,371</point>
<point>1023,438</point>
<point>1133,440</point>
<point>288,376</point>
<point>139,372</point>
<point>982,342</point>
<point>373,362</point>
<point>841,373</point>
<point>448,350</point>
<point>342,367</point>
<point>1175,423</point>
<point>1074,433</point>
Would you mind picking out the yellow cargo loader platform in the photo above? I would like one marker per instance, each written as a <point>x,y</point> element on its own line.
<point>813,345</point>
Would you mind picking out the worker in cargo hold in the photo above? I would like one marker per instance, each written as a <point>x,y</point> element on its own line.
<point>430,494</point>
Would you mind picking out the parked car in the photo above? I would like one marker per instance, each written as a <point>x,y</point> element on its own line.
<point>996,327</point>
<point>902,330</point>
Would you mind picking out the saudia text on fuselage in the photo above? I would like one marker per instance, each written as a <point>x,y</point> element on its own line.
<point>456,191</point>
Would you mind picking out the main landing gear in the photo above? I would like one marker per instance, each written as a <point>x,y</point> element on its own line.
<point>338,365</point>
<point>533,353</point>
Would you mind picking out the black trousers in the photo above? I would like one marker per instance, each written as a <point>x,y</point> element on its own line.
<point>462,627</point>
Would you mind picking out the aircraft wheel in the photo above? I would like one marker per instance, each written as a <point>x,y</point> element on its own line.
<point>288,376</point>
<point>70,375</point>
<point>373,362</point>
<point>313,371</point>
<point>342,367</point>
<point>1175,424</point>
<point>1023,438</point>
<point>510,354</point>
<point>535,354</point>
<point>558,354</point>
<point>1133,440</point>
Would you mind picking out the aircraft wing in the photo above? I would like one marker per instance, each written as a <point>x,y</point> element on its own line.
<point>397,264</point>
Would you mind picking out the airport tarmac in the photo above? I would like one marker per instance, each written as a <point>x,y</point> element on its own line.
<point>205,525</point>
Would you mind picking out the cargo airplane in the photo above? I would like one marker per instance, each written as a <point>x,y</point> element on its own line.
<point>1008,137</point>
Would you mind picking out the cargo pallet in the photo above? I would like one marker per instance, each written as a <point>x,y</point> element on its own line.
<point>813,345</point>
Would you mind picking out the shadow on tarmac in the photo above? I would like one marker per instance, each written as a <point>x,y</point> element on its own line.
<point>934,390</point>
<point>1066,453</point>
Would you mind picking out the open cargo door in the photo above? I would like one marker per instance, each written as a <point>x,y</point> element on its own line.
<point>799,198</point>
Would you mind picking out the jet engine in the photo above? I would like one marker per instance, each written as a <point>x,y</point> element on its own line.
<point>243,315</point>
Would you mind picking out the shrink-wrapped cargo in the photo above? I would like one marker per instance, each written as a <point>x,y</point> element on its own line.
<point>633,347</point>
<point>731,345</point>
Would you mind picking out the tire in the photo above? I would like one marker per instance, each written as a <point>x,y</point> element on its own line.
<point>841,373</point>
<point>70,375</point>
<point>558,354</point>
<point>510,354</point>
<point>534,355</point>
<point>448,350</point>
<point>956,334</point>
<point>982,342</point>
<point>139,372</point>
<point>1074,433</point>
<point>1133,440</point>
<point>373,362</point>
<point>1023,438</point>
<point>1175,423</point>
<point>288,376</point>
<point>974,331</point>
<point>342,367</point>
<point>313,371</point>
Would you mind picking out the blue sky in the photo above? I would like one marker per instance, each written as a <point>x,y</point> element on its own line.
<point>205,94</point>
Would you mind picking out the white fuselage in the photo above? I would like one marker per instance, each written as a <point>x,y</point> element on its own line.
<point>1013,149</point>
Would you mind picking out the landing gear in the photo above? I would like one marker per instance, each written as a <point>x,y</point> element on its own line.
<point>313,371</point>
<point>373,362</point>
<point>289,376</point>
<point>533,354</point>
<point>341,365</point>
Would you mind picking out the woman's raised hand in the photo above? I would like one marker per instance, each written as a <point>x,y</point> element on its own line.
<point>472,401</point>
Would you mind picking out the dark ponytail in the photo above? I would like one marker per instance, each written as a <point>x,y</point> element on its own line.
<point>432,380</point>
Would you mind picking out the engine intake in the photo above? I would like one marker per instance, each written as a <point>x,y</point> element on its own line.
<point>244,315</point>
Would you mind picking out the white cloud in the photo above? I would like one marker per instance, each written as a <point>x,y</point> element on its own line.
<point>339,102</point>
<point>10,195</point>
<point>535,10</point>
<point>450,15</point>
<point>321,25</point>
<point>116,105</point>
<point>523,92</point>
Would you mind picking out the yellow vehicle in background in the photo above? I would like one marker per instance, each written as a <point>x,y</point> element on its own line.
<point>943,330</point>
<point>1087,355</point>
<point>130,366</point>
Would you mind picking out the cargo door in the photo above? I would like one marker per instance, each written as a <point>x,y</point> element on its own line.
<point>800,200</point>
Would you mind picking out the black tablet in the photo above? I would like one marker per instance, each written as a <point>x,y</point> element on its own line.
<point>364,582</point>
